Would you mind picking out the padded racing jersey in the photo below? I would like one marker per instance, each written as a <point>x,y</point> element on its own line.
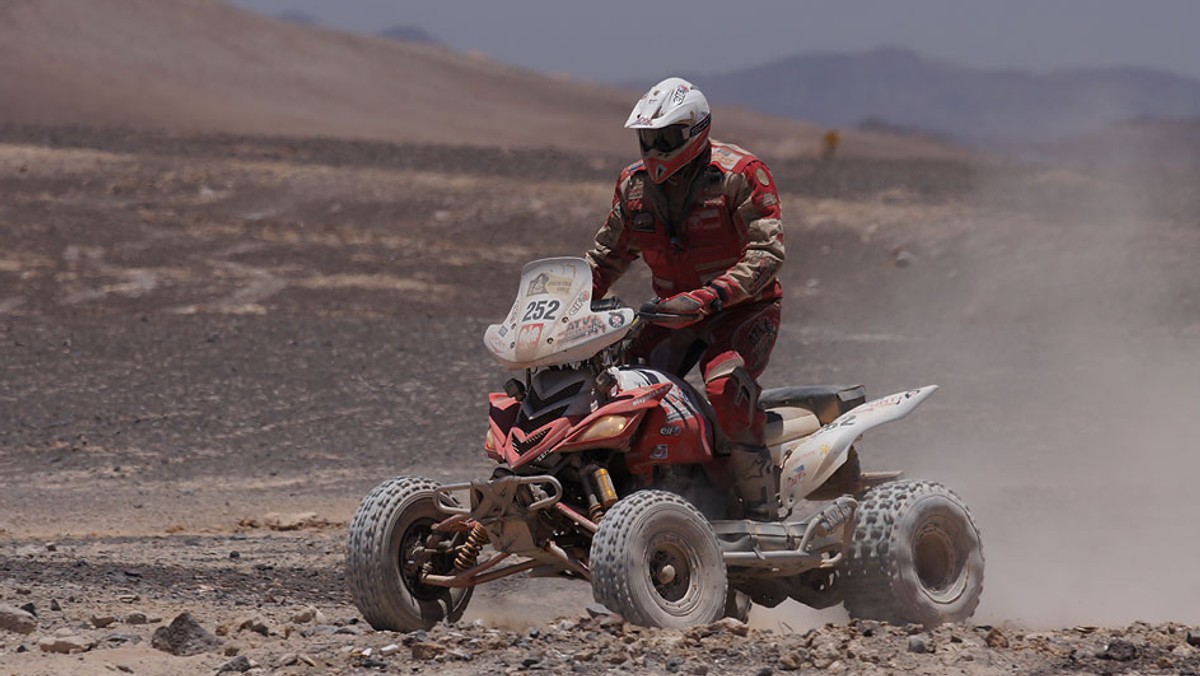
<point>730,234</point>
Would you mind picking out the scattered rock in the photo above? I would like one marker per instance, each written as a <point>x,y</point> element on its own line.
<point>917,644</point>
<point>1193,639</point>
<point>136,618</point>
<point>309,614</point>
<point>65,644</point>
<point>16,620</point>
<point>184,636</point>
<point>255,624</point>
<point>426,650</point>
<point>120,639</point>
<point>239,664</point>
<point>792,660</point>
<point>102,621</point>
<point>731,625</point>
<point>1119,650</point>
<point>298,521</point>
<point>903,258</point>
<point>996,639</point>
<point>597,610</point>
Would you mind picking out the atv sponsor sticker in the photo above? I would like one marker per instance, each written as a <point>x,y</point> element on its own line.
<point>660,452</point>
<point>616,320</point>
<point>797,476</point>
<point>547,283</point>
<point>670,430</point>
<point>584,327</point>
<point>577,304</point>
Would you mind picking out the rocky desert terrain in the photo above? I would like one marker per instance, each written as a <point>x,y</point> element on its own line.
<point>215,345</point>
<point>245,270</point>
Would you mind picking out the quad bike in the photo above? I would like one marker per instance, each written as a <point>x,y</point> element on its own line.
<point>616,474</point>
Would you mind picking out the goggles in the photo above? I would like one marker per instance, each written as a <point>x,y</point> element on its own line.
<point>665,140</point>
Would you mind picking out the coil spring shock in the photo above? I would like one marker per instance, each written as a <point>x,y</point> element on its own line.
<point>596,512</point>
<point>468,554</point>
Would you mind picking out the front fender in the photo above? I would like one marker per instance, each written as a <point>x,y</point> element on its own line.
<point>809,462</point>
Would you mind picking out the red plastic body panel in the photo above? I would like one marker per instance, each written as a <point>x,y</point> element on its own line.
<point>664,428</point>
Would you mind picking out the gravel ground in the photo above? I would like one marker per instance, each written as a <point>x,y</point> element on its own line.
<point>212,347</point>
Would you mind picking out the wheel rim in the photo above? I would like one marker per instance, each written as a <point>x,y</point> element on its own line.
<point>411,542</point>
<point>940,562</point>
<point>670,570</point>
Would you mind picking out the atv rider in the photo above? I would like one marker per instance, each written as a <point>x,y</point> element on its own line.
<point>706,217</point>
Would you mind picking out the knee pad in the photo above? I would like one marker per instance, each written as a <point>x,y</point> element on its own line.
<point>733,393</point>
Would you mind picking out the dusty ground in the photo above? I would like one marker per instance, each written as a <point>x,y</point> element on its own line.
<point>208,340</point>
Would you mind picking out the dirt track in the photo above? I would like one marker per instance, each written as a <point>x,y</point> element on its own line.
<point>205,335</point>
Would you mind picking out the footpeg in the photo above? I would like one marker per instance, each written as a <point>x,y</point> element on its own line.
<point>837,513</point>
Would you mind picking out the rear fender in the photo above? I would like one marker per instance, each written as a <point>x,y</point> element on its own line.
<point>809,462</point>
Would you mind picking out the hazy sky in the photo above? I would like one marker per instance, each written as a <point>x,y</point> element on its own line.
<point>612,40</point>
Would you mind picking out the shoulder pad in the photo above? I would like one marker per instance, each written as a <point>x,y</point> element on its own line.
<point>632,169</point>
<point>730,157</point>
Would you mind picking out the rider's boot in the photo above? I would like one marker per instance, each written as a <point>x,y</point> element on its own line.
<point>733,393</point>
<point>755,480</point>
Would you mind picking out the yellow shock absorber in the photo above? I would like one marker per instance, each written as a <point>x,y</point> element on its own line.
<point>608,494</point>
<point>468,554</point>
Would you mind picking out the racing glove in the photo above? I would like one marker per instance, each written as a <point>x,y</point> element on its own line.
<point>685,309</point>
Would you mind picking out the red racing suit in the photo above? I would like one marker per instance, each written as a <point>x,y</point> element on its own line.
<point>719,226</point>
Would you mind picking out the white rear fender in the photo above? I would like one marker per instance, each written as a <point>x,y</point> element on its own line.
<point>809,462</point>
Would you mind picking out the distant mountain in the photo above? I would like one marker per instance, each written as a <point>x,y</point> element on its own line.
<point>192,65</point>
<point>410,34</point>
<point>1137,143</point>
<point>205,66</point>
<point>296,16</point>
<point>901,89</point>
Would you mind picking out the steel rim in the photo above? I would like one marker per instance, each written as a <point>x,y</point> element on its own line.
<point>939,562</point>
<point>671,570</point>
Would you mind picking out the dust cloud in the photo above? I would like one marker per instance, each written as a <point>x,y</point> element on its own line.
<point>1064,330</point>
<point>1084,377</point>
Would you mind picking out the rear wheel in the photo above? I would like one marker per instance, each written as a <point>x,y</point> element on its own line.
<point>916,557</point>
<point>387,537</point>
<point>656,561</point>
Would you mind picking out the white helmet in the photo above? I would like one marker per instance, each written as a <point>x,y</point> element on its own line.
<point>672,121</point>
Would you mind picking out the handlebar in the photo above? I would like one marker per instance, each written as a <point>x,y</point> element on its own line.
<point>647,312</point>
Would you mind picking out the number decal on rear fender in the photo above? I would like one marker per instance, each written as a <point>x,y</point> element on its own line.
<point>541,309</point>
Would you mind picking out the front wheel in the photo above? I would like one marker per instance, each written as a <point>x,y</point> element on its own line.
<point>656,561</point>
<point>385,554</point>
<point>916,557</point>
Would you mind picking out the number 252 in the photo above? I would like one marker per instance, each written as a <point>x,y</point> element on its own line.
<point>541,309</point>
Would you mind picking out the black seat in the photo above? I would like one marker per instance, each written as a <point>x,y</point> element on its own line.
<point>826,401</point>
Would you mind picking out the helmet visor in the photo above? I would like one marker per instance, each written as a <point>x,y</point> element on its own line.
<point>665,140</point>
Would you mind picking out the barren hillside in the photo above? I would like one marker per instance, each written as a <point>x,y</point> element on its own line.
<point>200,65</point>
